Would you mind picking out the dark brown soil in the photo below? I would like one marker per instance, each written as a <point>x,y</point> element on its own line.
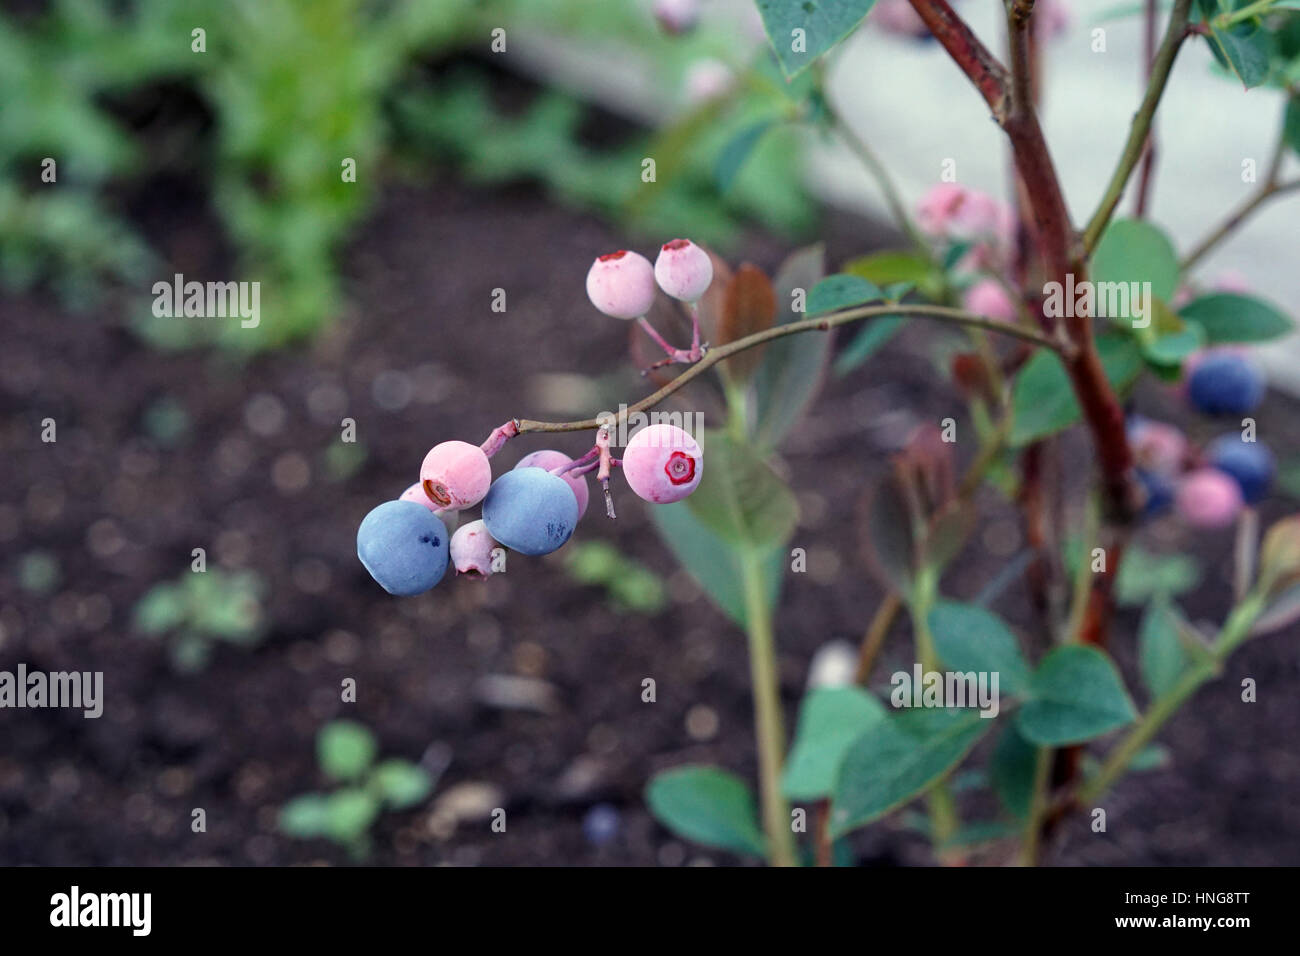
<point>122,510</point>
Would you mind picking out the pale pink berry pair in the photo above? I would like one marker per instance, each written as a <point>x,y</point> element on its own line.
<point>622,284</point>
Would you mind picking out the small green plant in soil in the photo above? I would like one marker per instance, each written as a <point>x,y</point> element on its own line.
<point>201,609</point>
<point>364,788</point>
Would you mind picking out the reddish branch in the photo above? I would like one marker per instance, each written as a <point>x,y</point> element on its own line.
<point>1009,96</point>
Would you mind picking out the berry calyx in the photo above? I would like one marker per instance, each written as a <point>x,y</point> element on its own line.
<point>404,547</point>
<point>1225,383</point>
<point>1208,498</point>
<point>455,475</point>
<point>1249,464</point>
<point>550,460</point>
<point>683,270</point>
<point>622,284</point>
<point>663,463</point>
<point>471,549</point>
<point>531,511</point>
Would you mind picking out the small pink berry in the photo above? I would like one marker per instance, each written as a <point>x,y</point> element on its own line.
<point>707,79</point>
<point>677,16</point>
<point>455,475</point>
<point>683,270</point>
<point>622,284</point>
<point>1207,498</point>
<point>988,297</point>
<point>550,460</point>
<point>471,549</point>
<point>662,463</point>
<point>416,493</point>
<point>898,17</point>
<point>935,211</point>
<point>1158,447</point>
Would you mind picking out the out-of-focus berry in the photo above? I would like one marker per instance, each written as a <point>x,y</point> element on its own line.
<point>677,16</point>
<point>404,547</point>
<point>988,297</point>
<point>455,475</point>
<point>550,460</point>
<point>707,79</point>
<point>1249,463</point>
<point>1225,383</point>
<point>683,270</point>
<point>1157,447</point>
<point>662,463</point>
<point>622,284</point>
<point>531,511</point>
<point>1208,498</point>
<point>1160,491</point>
<point>601,824</point>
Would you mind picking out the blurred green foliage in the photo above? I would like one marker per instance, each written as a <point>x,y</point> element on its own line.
<point>282,94</point>
<point>199,609</point>
<point>346,752</point>
<point>630,585</point>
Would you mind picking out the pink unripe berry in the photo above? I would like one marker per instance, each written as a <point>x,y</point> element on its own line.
<point>707,79</point>
<point>416,493</point>
<point>1207,498</point>
<point>662,463</point>
<point>550,460</point>
<point>988,297</point>
<point>683,270</point>
<point>677,16</point>
<point>455,475</point>
<point>471,549</point>
<point>1158,447</point>
<point>622,284</point>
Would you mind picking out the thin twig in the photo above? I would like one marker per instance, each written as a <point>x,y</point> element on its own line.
<point>1175,33</point>
<point>821,323</point>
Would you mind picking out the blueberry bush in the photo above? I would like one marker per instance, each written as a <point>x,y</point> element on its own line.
<point>1054,325</point>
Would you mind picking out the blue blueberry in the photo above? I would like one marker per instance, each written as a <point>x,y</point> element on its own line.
<point>1225,383</point>
<point>601,824</point>
<point>404,547</point>
<point>1250,463</point>
<point>530,511</point>
<point>1159,492</point>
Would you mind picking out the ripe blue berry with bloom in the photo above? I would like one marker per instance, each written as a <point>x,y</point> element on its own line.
<point>1250,464</point>
<point>1225,383</point>
<point>404,546</point>
<point>530,511</point>
<point>551,460</point>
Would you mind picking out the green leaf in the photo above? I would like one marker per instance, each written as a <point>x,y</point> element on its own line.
<point>349,814</point>
<point>822,24</point>
<point>1244,50</point>
<point>970,638</point>
<point>1132,250</point>
<point>841,291</point>
<point>714,564</point>
<point>1291,124</point>
<point>1143,575</point>
<point>345,749</point>
<point>709,806</point>
<point>740,498</point>
<point>1012,771</point>
<point>1160,649</point>
<point>1043,398</point>
<point>1076,695</point>
<point>1174,347</point>
<point>888,268</point>
<point>1230,317</point>
<point>791,369</point>
<point>831,719</point>
<point>305,816</point>
<point>873,337</point>
<point>899,758</point>
<point>736,151</point>
<point>400,783</point>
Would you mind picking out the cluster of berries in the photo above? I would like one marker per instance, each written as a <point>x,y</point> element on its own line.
<point>534,508</point>
<point>1210,488</point>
